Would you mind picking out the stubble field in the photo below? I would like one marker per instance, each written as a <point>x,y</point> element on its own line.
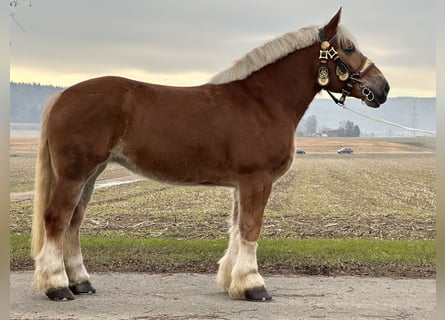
<point>385,190</point>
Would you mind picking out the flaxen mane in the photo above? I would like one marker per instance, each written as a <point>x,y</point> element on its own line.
<point>274,50</point>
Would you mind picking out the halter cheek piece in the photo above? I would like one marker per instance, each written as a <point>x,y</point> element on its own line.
<point>341,70</point>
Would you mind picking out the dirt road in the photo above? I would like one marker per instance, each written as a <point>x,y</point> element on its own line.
<point>195,296</point>
<point>27,195</point>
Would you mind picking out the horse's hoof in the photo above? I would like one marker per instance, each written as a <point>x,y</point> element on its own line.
<point>258,294</point>
<point>83,287</point>
<point>62,294</point>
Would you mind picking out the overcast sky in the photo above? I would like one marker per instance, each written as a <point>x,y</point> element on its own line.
<point>186,42</point>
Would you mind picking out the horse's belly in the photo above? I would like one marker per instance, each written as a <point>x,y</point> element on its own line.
<point>177,167</point>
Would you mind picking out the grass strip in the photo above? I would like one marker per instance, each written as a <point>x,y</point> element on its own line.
<point>402,258</point>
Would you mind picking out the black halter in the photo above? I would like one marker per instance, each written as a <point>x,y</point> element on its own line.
<point>327,51</point>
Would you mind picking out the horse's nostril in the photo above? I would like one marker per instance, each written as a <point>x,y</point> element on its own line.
<point>386,89</point>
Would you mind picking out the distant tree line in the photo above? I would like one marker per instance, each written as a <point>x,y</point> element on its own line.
<point>348,129</point>
<point>27,101</point>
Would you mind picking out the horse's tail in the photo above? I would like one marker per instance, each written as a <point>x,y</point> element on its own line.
<point>44,181</point>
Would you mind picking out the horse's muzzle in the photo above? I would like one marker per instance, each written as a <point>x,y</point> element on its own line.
<point>375,95</point>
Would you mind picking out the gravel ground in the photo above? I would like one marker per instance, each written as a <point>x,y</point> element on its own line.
<point>195,296</point>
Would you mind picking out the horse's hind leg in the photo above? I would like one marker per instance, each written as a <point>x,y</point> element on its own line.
<point>50,275</point>
<point>246,282</point>
<point>77,274</point>
<point>224,276</point>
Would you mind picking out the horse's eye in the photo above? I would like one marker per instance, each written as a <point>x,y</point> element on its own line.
<point>349,50</point>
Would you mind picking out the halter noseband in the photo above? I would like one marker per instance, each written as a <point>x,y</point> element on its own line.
<point>341,70</point>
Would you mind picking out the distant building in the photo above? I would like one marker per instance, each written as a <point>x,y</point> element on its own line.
<point>330,133</point>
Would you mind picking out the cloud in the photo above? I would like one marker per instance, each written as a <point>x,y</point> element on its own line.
<point>165,37</point>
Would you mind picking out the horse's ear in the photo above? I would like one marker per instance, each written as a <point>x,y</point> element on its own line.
<point>330,28</point>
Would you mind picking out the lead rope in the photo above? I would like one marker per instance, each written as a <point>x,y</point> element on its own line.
<point>381,120</point>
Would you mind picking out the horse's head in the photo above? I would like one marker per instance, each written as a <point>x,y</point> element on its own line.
<point>346,70</point>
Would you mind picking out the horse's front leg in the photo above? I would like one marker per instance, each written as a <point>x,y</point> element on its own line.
<point>246,282</point>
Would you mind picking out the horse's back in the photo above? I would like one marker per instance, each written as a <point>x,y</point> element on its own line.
<point>162,131</point>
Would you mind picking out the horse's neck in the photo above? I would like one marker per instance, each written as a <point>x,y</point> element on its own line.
<point>290,82</point>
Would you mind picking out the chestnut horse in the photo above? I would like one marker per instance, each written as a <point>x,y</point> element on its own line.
<point>237,130</point>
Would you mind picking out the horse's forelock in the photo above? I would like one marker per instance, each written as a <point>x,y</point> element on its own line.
<point>343,36</point>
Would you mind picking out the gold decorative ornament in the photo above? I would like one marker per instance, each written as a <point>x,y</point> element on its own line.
<point>325,45</point>
<point>342,75</point>
<point>323,76</point>
<point>323,55</point>
<point>332,53</point>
